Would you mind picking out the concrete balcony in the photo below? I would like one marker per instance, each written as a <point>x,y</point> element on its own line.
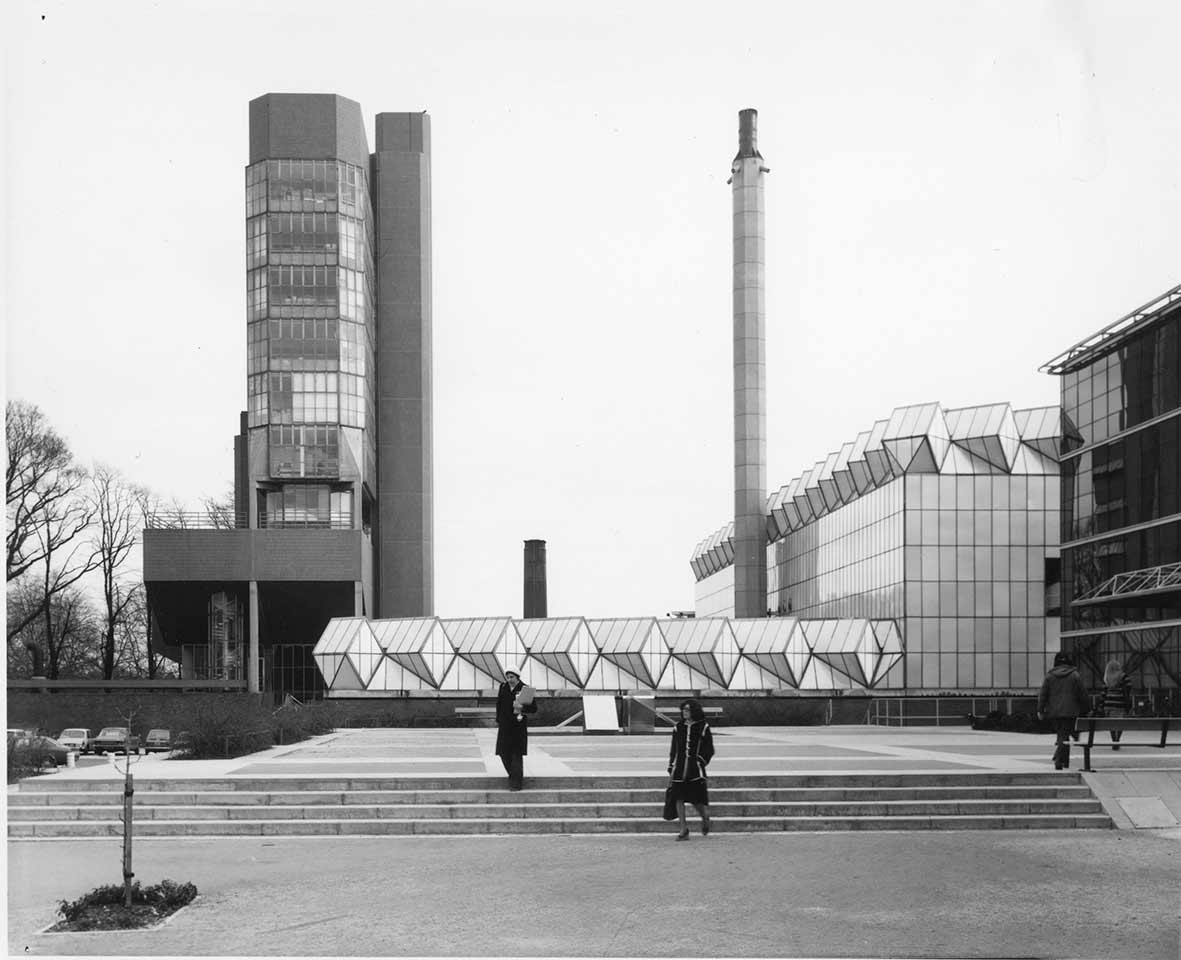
<point>272,555</point>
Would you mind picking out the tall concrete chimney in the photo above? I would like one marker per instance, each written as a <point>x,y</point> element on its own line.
<point>535,602</point>
<point>750,373</point>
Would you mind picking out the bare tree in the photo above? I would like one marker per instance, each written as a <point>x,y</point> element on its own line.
<point>173,514</point>
<point>39,474</point>
<point>72,645</point>
<point>220,512</point>
<point>47,515</point>
<point>116,507</point>
<point>134,654</point>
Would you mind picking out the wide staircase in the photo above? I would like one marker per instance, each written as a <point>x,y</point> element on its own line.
<point>550,805</point>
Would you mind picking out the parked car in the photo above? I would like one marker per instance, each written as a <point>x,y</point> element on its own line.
<point>75,738</point>
<point>42,750</point>
<point>158,740</point>
<point>114,740</point>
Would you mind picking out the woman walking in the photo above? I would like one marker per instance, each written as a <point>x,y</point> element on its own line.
<point>1117,696</point>
<point>689,754</point>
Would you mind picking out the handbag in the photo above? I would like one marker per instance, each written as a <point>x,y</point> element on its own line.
<point>670,803</point>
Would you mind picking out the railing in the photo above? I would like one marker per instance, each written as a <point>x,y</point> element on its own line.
<point>342,520</point>
<point>171,683</point>
<point>197,520</point>
<point>334,521</point>
<point>940,711</point>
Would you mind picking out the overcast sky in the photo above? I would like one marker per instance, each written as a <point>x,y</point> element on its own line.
<point>958,192</point>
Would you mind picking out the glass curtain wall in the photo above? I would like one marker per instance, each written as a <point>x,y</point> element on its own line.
<point>846,564</point>
<point>311,328</point>
<point>1122,500</point>
<point>977,549</point>
<point>715,594</point>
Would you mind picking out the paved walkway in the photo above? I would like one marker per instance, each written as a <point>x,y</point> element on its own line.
<point>1056,893</point>
<point>1093,894</point>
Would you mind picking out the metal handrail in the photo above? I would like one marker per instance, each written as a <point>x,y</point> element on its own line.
<point>337,520</point>
<point>1072,355</point>
<point>881,714</point>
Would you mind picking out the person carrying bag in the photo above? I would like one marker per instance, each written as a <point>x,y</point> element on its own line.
<point>690,752</point>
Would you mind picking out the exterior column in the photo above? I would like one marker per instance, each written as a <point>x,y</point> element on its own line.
<point>252,642</point>
<point>358,599</point>
<point>404,543</point>
<point>750,374</point>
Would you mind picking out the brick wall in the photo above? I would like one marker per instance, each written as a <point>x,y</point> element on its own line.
<point>53,712</point>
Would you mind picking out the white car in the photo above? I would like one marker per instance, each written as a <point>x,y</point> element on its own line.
<point>75,738</point>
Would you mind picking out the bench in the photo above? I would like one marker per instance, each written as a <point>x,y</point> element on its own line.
<point>475,711</point>
<point>1089,726</point>
<point>672,714</point>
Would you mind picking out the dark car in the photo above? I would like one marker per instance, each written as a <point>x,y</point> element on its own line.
<point>158,740</point>
<point>114,740</point>
<point>38,751</point>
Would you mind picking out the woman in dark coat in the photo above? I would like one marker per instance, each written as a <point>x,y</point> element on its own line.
<point>690,752</point>
<point>513,700</point>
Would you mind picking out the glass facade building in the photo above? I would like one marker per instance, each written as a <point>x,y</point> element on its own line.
<point>943,521</point>
<point>1121,496</point>
<point>332,473</point>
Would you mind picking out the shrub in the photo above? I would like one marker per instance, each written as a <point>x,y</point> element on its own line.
<point>167,896</point>
<point>1011,723</point>
<point>234,730</point>
<point>228,730</point>
<point>26,761</point>
<point>294,722</point>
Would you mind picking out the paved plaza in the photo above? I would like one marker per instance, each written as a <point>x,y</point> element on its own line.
<point>1056,893</point>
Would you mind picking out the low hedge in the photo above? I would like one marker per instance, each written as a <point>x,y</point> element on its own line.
<point>27,762</point>
<point>1011,722</point>
<point>235,730</point>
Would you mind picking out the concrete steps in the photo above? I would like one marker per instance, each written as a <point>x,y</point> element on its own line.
<point>478,805</point>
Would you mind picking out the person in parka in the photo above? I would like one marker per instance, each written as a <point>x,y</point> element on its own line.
<point>1062,699</point>
<point>513,700</point>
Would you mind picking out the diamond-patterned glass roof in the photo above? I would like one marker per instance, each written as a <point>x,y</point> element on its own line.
<point>634,645</point>
<point>417,645</point>
<point>561,645</point>
<point>766,643</point>
<point>920,438</point>
<point>489,644</point>
<point>611,654</point>
<point>706,646</point>
<point>346,653</point>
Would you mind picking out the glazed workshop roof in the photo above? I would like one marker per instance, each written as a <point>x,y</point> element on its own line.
<point>923,438</point>
<point>429,653</point>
